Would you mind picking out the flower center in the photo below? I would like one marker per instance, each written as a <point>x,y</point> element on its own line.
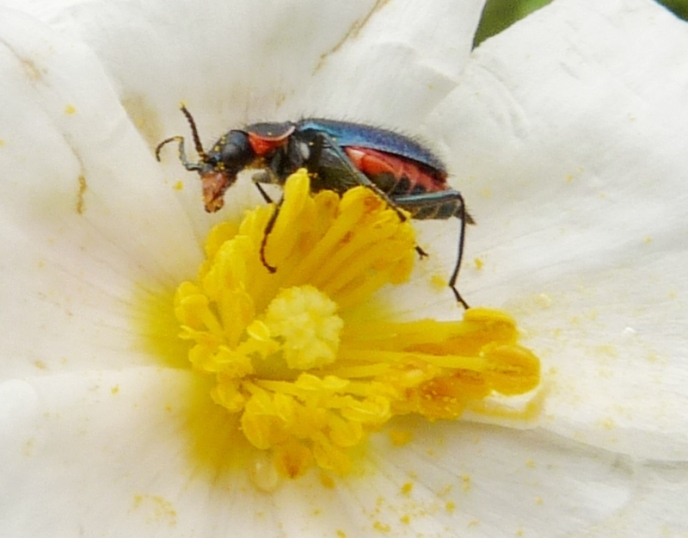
<point>293,353</point>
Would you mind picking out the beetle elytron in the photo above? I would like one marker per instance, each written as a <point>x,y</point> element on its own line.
<point>339,156</point>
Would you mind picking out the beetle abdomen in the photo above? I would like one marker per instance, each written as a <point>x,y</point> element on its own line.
<point>394,175</point>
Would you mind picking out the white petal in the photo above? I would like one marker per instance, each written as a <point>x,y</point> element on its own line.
<point>656,507</point>
<point>476,480</point>
<point>251,60</point>
<point>394,70</point>
<point>113,453</point>
<point>87,223</point>
<point>568,139</point>
<point>56,427</point>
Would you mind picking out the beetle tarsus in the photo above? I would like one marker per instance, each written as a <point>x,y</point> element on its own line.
<point>459,299</point>
<point>271,269</point>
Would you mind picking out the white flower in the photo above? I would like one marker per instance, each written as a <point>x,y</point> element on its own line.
<point>567,136</point>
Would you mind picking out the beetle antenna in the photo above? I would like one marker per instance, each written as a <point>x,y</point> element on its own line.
<point>196,167</point>
<point>459,257</point>
<point>164,142</point>
<point>194,132</point>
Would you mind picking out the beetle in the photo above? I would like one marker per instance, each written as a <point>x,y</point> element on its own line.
<point>338,155</point>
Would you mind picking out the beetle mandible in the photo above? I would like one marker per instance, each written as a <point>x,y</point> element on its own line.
<point>339,156</point>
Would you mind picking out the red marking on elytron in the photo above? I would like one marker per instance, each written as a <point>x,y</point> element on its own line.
<point>263,145</point>
<point>372,162</point>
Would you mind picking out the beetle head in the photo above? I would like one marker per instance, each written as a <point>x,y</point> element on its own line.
<point>236,150</point>
<point>219,168</point>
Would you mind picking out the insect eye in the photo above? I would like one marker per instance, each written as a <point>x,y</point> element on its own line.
<point>236,152</point>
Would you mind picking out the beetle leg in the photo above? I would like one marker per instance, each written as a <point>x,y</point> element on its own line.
<point>267,175</point>
<point>359,178</point>
<point>442,205</point>
<point>433,205</point>
<point>315,153</point>
<point>268,228</point>
<point>459,256</point>
<point>261,190</point>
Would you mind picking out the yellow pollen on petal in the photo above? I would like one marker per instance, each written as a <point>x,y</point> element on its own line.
<point>289,352</point>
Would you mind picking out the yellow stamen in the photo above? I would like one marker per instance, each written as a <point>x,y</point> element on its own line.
<point>303,370</point>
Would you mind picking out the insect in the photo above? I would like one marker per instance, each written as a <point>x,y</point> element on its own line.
<point>339,156</point>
